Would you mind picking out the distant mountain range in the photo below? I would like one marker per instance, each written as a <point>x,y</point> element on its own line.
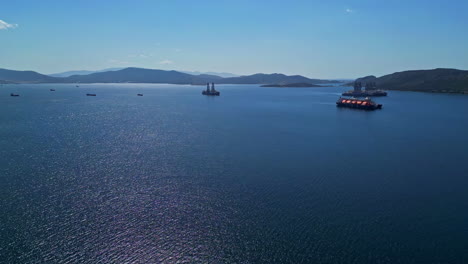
<point>292,85</point>
<point>275,78</point>
<point>220,74</point>
<point>70,73</point>
<point>139,75</point>
<point>436,80</point>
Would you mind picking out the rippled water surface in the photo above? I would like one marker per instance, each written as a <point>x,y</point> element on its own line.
<point>257,175</point>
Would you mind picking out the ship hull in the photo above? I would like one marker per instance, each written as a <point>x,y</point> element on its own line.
<point>210,93</point>
<point>368,107</point>
<point>365,104</point>
<point>362,107</point>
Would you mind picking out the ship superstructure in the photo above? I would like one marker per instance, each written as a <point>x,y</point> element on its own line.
<point>371,90</point>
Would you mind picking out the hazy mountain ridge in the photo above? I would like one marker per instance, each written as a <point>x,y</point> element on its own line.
<point>87,72</point>
<point>220,74</point>
<point>292,85</point>
<point>275,78</point>
<point>83,72</point>
<point>140,75</point>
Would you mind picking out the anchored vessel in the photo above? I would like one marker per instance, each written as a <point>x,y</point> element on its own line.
<point>12,94</point>
<point>371,90</point>
<point>88,94</point>
<point>139,94</point>
<point>52,90</point>
<point>366,104</point>
<point>211,91</point>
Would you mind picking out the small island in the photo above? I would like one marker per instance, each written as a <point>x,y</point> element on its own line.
<point>292,85</point>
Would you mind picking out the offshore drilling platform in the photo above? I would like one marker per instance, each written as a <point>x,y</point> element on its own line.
<point>211,91</point>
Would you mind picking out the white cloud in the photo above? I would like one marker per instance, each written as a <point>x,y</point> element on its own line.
<point>120,62</point>
<point>349,10</point>
<point>166,62</point>
<point>5,25</point>
<point>141,56</point>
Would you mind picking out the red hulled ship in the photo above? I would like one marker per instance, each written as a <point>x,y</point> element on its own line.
<point>366,104</point>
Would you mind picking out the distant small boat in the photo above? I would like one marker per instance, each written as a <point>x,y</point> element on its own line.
<point>12,94</point>
<point>52,90</point>
<point>139,94</point>
<point>88,94</point>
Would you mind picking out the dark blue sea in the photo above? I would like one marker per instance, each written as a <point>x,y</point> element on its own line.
<point>256,175</point>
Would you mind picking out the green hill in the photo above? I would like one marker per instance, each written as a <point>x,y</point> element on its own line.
<point>436,80</point>
<point>11,76</point>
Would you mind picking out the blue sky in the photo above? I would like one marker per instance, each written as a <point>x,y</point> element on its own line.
<point>322,39</point>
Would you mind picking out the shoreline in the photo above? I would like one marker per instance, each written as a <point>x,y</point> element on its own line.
<point>259,85</point>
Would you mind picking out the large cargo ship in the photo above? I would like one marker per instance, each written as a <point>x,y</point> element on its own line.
<point>371,90</point>
<point>211,91</point>
<point>365,104</point>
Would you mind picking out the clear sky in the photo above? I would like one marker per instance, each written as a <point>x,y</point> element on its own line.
<point>322,39</point>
